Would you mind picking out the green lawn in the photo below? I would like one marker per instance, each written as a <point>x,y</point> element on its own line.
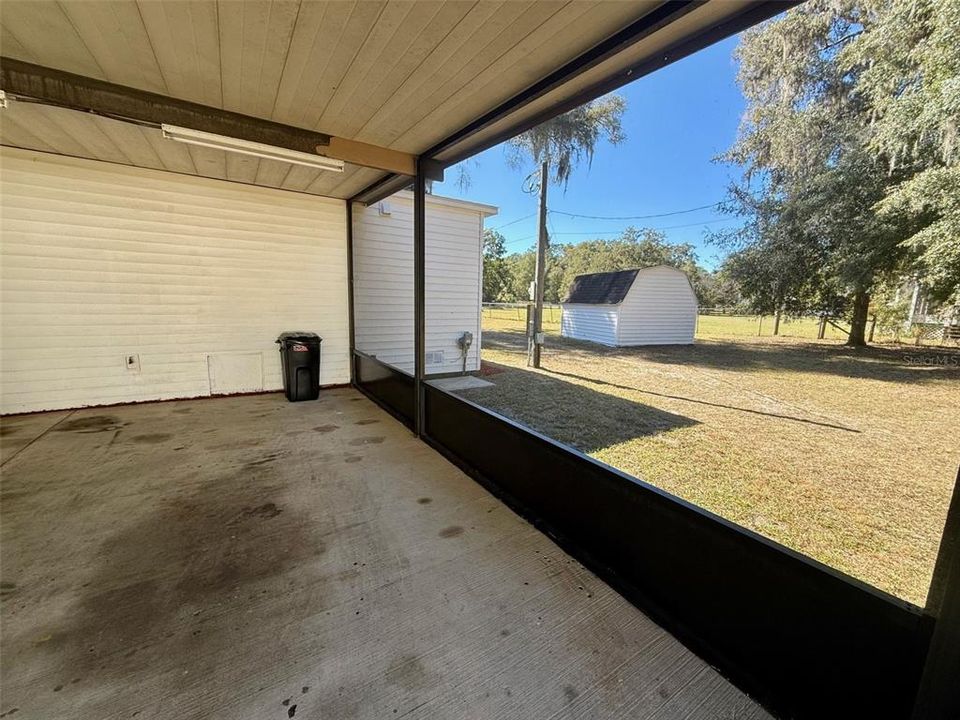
<point>847,456</point>
<point>708,326</point>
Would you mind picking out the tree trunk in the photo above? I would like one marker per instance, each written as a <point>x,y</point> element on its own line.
<point>858,323</point>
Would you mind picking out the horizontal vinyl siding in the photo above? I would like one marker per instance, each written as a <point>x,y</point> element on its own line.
<point>596,323</point>
<point>659,309</point>
<point>383,282</point>
<point>100,261</point>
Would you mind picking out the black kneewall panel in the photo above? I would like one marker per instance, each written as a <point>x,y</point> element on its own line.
<point>802,638</point>
<point>387,386</point>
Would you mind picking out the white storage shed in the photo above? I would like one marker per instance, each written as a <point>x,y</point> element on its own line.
<point>647,306</point>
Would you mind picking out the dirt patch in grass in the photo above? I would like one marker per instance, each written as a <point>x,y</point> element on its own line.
<point>487,368</point>
<point>848,456</point>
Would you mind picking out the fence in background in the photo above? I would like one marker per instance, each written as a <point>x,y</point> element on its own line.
<point>712,322</point>
<point>511,314</point>
<point>722,322</point>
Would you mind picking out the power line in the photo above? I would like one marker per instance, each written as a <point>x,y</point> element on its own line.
<point>514,222</point>
<point>635,217</point>
<point>620,232</point>
<point>612,217</point>
<point>663,227</point>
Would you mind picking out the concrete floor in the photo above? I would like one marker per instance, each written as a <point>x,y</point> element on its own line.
<point>246,557</point>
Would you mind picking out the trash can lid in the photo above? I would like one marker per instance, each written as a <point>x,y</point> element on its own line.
<point>299,335</point>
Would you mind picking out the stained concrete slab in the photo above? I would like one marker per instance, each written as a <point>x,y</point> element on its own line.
<point>466,382</point>
<point>18,431</point>
<point>248,558</point>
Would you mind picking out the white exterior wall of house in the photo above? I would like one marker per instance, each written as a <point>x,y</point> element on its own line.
<point>596,323</point>
<point>383,283</point>
<point>659,309</point>
<point>195,277</point>
<point>383,280</point>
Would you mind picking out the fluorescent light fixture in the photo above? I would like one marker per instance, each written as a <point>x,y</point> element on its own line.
<point>246,147</point>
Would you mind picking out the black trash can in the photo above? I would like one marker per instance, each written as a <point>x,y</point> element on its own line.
<point>300,360</point>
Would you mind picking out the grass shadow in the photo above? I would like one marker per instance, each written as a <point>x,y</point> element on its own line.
<point>897,364</point>
<point>585,419</point>
<point>631,388</point>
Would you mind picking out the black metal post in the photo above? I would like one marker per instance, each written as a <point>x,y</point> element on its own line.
<point>939,694</point>
<point>419,290</point>
<point>353,343</point>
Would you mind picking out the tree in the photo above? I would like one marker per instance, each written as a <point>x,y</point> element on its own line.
<point>519,274</point>
<point>495,278</point>
<point>718,289</point>
<point>634,248</point>
<point>767,263</point>
<point>890,310</point>
<point>557,146</point>
<point>569,138</point>
<point>814,185</point>
<point>909,53</point>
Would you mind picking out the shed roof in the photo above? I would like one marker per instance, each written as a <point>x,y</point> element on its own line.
<point>605,288</point>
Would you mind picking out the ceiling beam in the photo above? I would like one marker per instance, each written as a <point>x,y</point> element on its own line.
<point>372,156</point>
<point>33,83</point>
<point>620,41</point>
<point>54,87</point>
<point>463,144</point>
<point>381,189</point>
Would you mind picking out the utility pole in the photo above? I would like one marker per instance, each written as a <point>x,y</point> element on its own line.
<point>535,341</point>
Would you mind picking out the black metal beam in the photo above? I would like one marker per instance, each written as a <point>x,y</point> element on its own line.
<point>419,290</point>
<point>806,640</point>
<point>646,26</point>
<point>939,696</point>
<point>382,188</point>
<point>617,43</point>
<point>350,310</point>
<point>76,92</point>
<point>612,46</point>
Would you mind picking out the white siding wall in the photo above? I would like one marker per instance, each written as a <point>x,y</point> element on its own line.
<point>195,276</point>
<point>660,309</point>
<point>597,323</point>
<point>383,282</point>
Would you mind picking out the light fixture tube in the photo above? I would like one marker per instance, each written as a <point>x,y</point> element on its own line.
<point>246,147</point>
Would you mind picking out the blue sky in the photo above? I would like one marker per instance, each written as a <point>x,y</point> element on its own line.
<point>677,120</point>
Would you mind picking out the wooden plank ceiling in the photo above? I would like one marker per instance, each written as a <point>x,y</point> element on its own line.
<point>68,132</point>
<point>397,74</point>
